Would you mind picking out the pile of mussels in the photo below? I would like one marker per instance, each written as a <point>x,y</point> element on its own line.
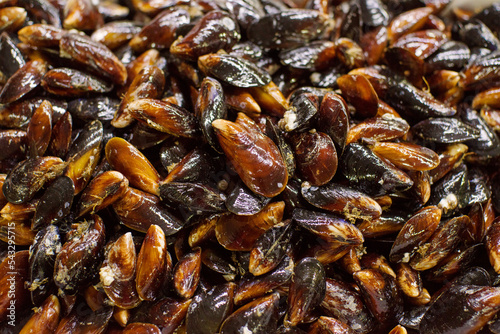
<point>249,166</point>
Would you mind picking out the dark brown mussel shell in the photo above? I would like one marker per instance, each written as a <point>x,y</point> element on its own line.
<point>12,57</point>
<point>472,305</point>
<point>118,271</point>
<point>488,143</point>
<point>252,287</point>
<point>219,260</point>
<point>441,244</point>
<point>287,29</point>
<point>242,201</point>
<point>139,210</point>
<point>328,227</point>
<point>381,295</point>
<point>42,11</point>
<point>85,321</point>
<point>377,129</point>
<point>270,249</point>
<point>73,83</point>
<point>214,31</point>
<point>414,103</point>
<point>208,309</point>
<point>165,117</point>
<point>414,233</point>
<point>141,328</point>
<point>96,56</point>
<point>42,255</point>
<point>55,203</point>
<point>81,15</point>
<point>351,203</point>
<point>316,157</point>
<point>475,34</point>
<point>452,55</point>
<point>29,176</point>
<point>233,70</point>
<point>148,83</point>
<point>444,130</point>
<point>192,196</point>
<point>61,136</point>
<point>41,35</point>
<point>315,56</point>
<point>13,143</point>
<point>77,262</point>
<point>192,166</point>
<point>258,317</point>
<point>306,291</point>
<point>345,304</point>
<point>160,32</point>
<point>360,93</point>
<point>451,192</point>
<point>167,313</point>
<point>301,115</point>
<point>210,106</point>
<point>30,75</point>
<point>115,34</point>
<point>329,325</point>
<point>370,174</point>
<point>333,119</point>
<point>90,108</point>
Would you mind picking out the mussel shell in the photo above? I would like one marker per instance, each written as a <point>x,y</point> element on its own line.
<point>340,199</point>
<point>287,29</point>
<point>77,262</point>
<point>307,290</point>
<point>233,70</point>
<point>214,31</point>
<point>55,203</point>
<point>270,249</point>
<point>258,317</point>
<point>445,130</point>
<point>451,192</point>
<point>42,256</point>
<point>193,196</point>
<point>342,302</point>
<point>488,143</point>
<point>208,309</point>
<point>460,300</point>
<point>12,58</point>
<point>368,173</point>
<point>209,107</point>
<point>29,176</point>
<point>327,226</point>
<point>242,201</point>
